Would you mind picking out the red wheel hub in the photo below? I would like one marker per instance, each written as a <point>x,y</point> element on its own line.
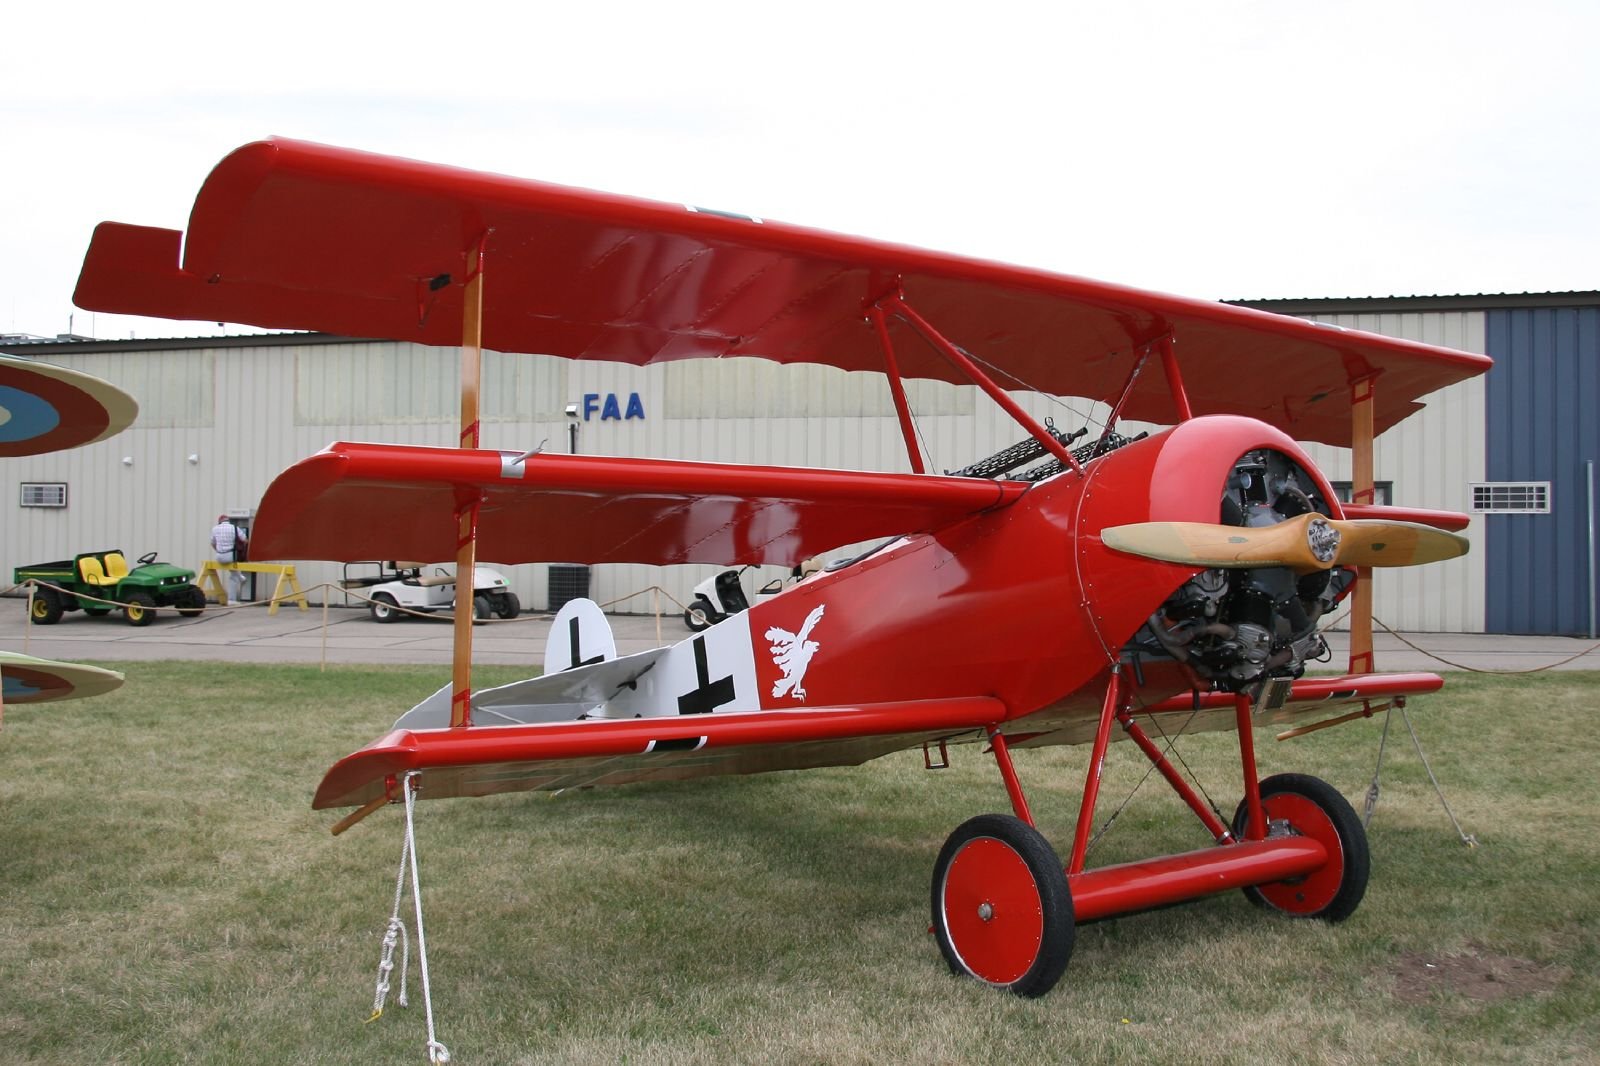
<point>1309,894</point>
<point>992,911</point>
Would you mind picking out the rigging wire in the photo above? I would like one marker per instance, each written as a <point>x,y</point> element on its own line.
<point>1052,397</point>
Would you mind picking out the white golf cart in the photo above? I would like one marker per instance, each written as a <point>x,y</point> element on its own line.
<point>401,584</point>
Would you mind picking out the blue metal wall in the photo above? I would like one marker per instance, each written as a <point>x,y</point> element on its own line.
<point>1543,422</point>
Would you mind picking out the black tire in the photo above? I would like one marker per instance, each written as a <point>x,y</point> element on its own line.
<point>482,609</point>
<point>1313,808</point>
<point>47,609</point>
<point>508,606</point>
<point>190,601</point>
<point>1002,909</point>
<point>139,609</point>
<point>383,608</point>
<point>699,616</point>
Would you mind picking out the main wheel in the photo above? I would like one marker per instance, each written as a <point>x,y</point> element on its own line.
<point>509,606</point>
<point>190,601</point>
<point>139,609</point>
<point>1309,806</point>
<point>383,608</point>
<point>1002,911</point>
<point>47,608</point>
<point>482,608</point>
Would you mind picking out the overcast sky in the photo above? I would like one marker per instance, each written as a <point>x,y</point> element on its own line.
<point>1220,150</point>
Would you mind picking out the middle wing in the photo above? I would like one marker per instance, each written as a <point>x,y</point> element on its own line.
<point>383,501</point>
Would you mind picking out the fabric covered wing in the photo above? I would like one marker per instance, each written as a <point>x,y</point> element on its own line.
<point>479,761</point>
<point>45,408</point>
<point>25,679</point>
<point>380,501</point>
<point>286,234</point>
<point>1310,698</point>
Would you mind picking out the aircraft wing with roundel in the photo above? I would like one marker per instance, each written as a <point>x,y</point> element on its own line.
<point>291,235</point>
<point>384,501</point>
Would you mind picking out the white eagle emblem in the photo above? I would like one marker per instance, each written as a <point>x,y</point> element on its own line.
<point>792,653</point>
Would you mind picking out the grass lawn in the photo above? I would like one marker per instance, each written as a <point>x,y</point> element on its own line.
<point>167,895</point>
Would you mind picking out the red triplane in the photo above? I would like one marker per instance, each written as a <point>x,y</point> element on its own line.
<point>1057,593</point>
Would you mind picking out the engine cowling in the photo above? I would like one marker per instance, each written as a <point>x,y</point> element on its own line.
<point>1238,627</point>
<point>1231,628</point>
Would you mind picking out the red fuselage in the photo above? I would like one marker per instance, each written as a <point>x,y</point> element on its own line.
<point>1023,602</point>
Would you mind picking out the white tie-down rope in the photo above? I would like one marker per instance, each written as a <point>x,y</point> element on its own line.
<point>395,932</point>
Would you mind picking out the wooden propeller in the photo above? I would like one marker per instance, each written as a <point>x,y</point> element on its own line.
<point>1305,543</point>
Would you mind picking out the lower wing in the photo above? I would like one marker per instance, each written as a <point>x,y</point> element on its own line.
<point>598,752</point>
<point>481,760</point>
<point>1289,704</point>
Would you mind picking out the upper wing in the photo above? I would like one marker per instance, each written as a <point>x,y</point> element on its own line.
<point>383,501</point>
<point>287,234</point>
<point>484,760</point>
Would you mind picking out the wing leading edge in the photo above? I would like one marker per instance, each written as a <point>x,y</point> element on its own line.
<point>291,235</point>
<point>380,501</point>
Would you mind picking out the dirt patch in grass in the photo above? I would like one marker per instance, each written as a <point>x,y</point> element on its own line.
<point>1475,973</point>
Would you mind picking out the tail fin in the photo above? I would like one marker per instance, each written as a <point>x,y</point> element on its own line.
<point>580,635</point>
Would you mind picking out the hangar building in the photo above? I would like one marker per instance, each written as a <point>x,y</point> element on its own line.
<point>220,416</point>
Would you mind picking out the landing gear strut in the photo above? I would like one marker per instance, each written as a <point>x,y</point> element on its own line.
<point>1005,911</point>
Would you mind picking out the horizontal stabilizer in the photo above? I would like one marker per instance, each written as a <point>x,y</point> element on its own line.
<point>564,696</point>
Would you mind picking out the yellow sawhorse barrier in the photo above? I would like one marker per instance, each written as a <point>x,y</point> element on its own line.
<point>211,581</point>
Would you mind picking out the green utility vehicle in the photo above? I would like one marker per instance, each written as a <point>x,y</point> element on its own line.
<point>105,576</point>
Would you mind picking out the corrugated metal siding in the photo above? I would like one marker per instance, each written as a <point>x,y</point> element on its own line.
<point>248,412</point>
<point>1542,426</point>
<point>1432,458</point>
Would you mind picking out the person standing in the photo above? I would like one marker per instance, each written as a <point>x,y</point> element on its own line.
<point>228,543</point>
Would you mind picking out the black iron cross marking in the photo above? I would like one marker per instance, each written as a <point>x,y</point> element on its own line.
<point>710,694</point>
<point>572,639</point>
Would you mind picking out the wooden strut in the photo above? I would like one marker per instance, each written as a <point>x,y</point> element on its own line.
<point>1362,491</point>
<point>466,515</point>
<point>1367,710</point>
